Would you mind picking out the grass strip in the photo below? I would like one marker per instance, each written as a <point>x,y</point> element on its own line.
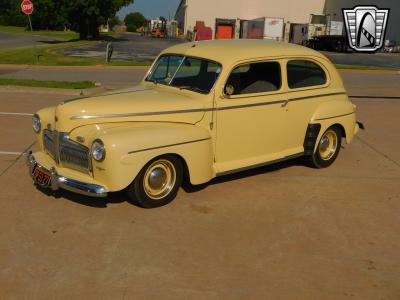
<point>48,83</point>
<point>364,67</point>
<point>66,35</point>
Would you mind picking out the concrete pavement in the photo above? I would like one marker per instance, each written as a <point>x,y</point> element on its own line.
<point>280,232</point>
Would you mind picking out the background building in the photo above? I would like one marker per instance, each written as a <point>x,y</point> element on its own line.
<point>225,12</point>
<point>285,19</point>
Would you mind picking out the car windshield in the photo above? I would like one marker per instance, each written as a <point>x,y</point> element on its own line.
<point>190,73</point>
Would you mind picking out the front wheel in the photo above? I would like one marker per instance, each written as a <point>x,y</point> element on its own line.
<point>328,148</point>
<point>157,183</point>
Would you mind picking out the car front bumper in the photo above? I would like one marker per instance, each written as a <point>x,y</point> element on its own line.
<point>60,182</point>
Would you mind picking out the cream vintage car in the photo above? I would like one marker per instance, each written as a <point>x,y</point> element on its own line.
<point>203,110</point>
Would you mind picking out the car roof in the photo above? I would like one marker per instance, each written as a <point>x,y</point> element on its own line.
<point>232,51</point>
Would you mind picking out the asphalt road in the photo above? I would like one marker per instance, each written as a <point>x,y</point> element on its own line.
<point>279,232</point>
<point>15,40</point>
<point>126,46</point>
<point>135,47</point>
<point>130,46</point>
<point>391,60</point>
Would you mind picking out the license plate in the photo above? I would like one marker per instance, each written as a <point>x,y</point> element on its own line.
<point>41,176</point>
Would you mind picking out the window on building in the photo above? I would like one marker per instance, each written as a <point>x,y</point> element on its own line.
<point>304,73</point>
<point>254,78</point>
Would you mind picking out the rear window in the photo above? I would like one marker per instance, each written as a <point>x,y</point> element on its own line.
<point>304,73</point>
<point>254,78</point>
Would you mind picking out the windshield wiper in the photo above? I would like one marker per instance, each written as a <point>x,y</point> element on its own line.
<point>194,89</point>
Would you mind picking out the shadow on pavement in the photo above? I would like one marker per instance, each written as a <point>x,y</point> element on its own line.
<point>113,198</point>
<point>120,197</point>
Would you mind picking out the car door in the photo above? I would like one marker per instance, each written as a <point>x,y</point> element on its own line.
<point>307,82</point>
<point>250,117</point>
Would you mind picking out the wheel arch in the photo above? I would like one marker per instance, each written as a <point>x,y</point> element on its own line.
<point>185,168</point>
<point>314,133</point>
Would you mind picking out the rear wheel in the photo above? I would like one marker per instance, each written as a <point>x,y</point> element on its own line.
<point>328,148</point>
<point>157,183</point>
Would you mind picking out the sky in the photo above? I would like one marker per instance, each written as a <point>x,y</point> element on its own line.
<point>151,8</point>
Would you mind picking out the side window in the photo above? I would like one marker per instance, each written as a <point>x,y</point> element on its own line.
<point>304,73</point>
<point>254,78</point>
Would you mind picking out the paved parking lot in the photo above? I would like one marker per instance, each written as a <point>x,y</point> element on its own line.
<point>279,232</point>
<point>127,46</point>
<point>130,46</point>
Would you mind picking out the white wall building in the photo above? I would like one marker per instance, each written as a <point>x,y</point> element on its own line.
<point>294,11</point>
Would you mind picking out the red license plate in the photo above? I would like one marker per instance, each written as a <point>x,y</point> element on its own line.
<point>41,177</point>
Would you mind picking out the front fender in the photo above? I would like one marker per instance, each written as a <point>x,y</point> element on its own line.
<point>130,146</point>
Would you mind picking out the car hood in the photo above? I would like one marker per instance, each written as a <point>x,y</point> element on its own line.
<point>134,104</point>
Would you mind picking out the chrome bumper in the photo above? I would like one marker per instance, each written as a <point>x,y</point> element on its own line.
<point>60,182</point>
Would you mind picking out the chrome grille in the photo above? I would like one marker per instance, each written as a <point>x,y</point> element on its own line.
<point>73,155</point>
<point>49,143</point>
<point>66,153</point>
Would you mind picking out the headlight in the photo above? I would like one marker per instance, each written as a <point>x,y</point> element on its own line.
<point>36,123</point>
<point>98,150</point>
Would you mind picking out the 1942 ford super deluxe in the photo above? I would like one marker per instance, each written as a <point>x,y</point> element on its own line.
<point>203,110</point>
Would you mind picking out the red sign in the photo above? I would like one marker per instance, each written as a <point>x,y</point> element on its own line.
<point>27,7</point>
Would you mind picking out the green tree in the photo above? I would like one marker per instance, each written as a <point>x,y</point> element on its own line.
<point>134,21</point>
<point>86,16</point>
<point>83,16</point>
<point>113,22</point>
<point>50,14</point>
<point>10,13</point>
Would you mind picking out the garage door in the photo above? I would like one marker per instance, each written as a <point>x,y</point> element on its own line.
<point>224,32</point>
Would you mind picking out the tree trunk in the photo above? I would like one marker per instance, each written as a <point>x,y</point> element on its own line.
<point>83,30</point>
<point>94,28</point>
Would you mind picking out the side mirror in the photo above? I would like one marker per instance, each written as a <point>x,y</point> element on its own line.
<point>229,90</point>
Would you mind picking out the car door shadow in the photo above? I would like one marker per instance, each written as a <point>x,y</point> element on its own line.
<point>189,188</point>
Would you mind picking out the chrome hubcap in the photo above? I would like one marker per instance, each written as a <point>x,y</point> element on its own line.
<point>159,179</point>
<point>328,145</point>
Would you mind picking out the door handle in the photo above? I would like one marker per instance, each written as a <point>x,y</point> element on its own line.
<point>285,103</point>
